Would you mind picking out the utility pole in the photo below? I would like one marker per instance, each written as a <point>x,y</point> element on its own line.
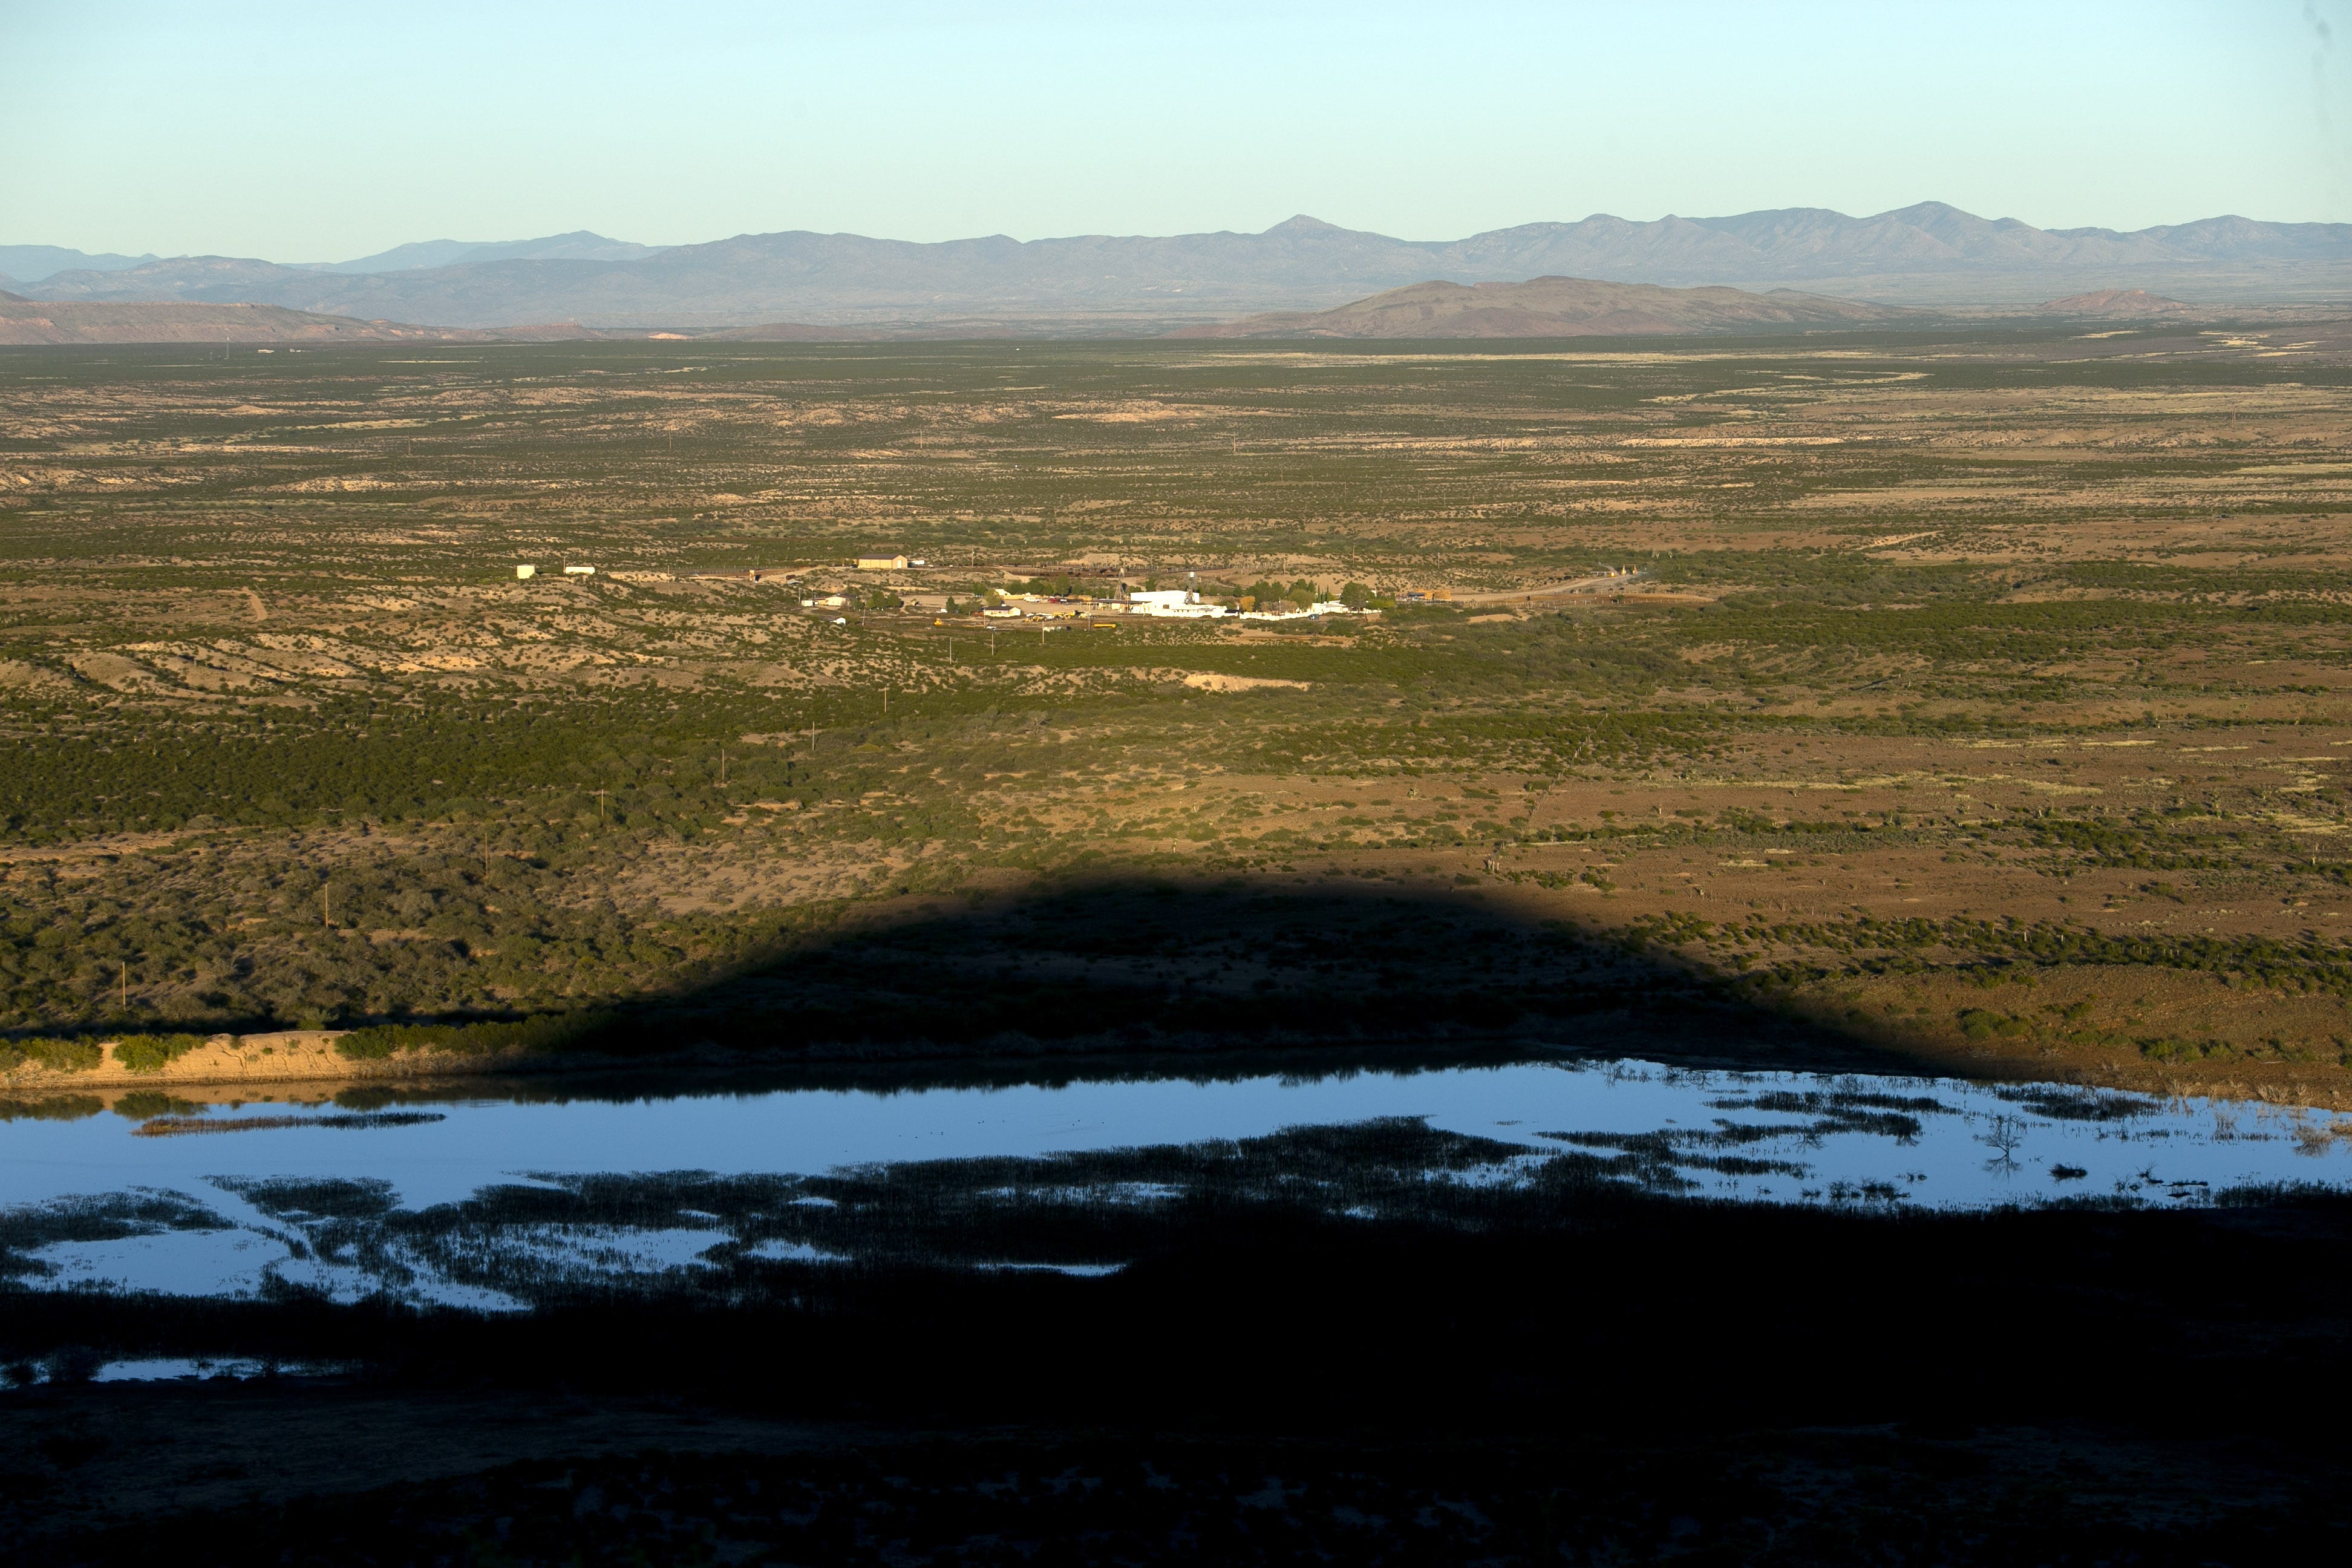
<point>326,904</point>
<point>722,767</point>
<point>126,989</point>
<point>600,805</point>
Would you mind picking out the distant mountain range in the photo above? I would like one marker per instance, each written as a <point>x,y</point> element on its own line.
<point>1559,308</point>
<point>23,321</point>
<point>1930,254</point>
<point>29,265</point>
<point>578,246</point>
<point>24,265</point>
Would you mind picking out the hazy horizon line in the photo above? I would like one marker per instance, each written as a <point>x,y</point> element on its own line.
<point>1174,234</point>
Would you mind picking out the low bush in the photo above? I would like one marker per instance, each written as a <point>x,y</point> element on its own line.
<point>154,1052</point>
<point>546,1033</point>
<point>57,1055</point>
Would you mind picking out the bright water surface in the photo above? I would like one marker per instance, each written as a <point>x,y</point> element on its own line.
<point>1978,1146</point>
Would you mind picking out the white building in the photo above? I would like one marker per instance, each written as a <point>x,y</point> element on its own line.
<point>1320,608</point>
<point>1172,603</point>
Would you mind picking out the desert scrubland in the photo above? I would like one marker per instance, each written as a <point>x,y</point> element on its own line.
<point>1980,703</point>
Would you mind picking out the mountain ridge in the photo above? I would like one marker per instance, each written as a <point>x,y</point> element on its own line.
<point>30,322</point>
<point>580,245</point>
<point>32,263</point>
<point>1559,308</point>
<point>2117,302</point>
<point>25,323</point>
<point>1929,252</point>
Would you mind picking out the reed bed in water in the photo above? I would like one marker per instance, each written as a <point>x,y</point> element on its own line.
<point>178,1126</point>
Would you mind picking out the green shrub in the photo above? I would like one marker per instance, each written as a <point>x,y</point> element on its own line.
<point>152,1053</point>
<point>546,1033</point>
<point>57,1055</point>
<point>1981,1024</point>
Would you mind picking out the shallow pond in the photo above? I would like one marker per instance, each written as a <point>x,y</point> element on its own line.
<point>170,1204</point>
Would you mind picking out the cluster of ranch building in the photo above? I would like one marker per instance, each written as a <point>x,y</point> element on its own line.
<point>1158,603</point>
<point>1161,604</point>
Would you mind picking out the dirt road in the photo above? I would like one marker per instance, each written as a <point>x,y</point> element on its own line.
<point>1605,582</point>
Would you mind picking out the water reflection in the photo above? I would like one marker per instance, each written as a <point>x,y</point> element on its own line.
<point>490,1203</point>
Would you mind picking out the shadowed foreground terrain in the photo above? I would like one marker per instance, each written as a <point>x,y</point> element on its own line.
<point>1584,1372</point>
<point>1113,1356</point>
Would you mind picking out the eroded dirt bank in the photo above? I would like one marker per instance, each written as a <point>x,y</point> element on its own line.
<point>305,1066</point>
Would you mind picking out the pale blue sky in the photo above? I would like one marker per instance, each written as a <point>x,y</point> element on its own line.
<point>320,132</point>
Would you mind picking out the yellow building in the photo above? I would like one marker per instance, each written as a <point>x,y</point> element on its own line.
<point>881,564</point>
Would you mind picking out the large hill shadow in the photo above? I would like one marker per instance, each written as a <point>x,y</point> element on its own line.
<point>1154,972</point>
